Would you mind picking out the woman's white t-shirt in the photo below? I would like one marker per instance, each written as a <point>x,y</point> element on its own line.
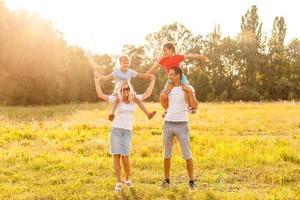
<point>124,113</point>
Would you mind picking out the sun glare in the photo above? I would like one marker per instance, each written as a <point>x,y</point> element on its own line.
<point>105,26</point>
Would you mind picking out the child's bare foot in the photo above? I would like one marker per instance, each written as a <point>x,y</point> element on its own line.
<point>151,114</point>
<point>111,117</point>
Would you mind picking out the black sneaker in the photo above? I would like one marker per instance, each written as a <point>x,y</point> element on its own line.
<point>165,184</point>
<point>192,185</point>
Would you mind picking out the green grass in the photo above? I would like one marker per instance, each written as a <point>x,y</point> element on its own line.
<point>240,151</point>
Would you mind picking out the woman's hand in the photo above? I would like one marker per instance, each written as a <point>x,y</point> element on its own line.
<point>152,77</point>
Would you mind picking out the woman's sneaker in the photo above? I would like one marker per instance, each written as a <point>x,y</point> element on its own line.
<point>165,183</point>
<point>192,110</point>
<point>129,184</point>
<point>118,187</point>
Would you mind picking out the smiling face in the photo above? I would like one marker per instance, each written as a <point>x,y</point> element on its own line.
<point>173,76</point>
<point>124,62</point>
<point>167,52</point>
<point>125,89</point>
<point>168,49</point>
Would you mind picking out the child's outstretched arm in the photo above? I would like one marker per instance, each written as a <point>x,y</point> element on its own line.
<point>196,57</point>
<point>105,77</point>
<point>154,68</point>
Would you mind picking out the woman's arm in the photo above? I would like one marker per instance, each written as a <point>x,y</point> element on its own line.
<point>154,68</point>
<point>95,66</point>
<point>196,57</point>
<point>98,89</point>
<point>149,89</point>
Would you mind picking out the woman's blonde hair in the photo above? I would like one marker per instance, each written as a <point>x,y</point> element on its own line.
<point>119,90</point>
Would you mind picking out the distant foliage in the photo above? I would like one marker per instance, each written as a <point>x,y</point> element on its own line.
<point>38,67</point>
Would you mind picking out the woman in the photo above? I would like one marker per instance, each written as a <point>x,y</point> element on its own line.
<point>121,131</point>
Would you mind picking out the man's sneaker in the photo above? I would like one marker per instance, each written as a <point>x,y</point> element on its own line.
<point>165,184</point>
<point>192,185</point>
<point>129,184</point>
<point>118,187</point>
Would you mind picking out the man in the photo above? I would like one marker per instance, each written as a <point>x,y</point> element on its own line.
<point>176,124</point>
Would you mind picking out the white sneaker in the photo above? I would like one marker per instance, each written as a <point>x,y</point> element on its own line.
<point>191,110</point>
<point>129,184</point>
<point>118,187</point>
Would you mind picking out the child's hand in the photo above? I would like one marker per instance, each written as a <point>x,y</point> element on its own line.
<point>205,58</point>
<point>96,76</point>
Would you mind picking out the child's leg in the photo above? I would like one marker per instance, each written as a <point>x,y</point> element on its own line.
<point>143,108</point>
<point>115,105</point>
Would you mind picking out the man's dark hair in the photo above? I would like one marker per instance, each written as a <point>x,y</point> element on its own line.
<point>177,71</point>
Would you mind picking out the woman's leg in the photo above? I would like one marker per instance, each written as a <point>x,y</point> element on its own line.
<point>117,167</point>
<point>126,165</point>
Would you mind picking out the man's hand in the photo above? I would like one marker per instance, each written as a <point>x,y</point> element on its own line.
<point>186,88</point>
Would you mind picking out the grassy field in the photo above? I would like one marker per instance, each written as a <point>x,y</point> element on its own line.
<point>240,151</point>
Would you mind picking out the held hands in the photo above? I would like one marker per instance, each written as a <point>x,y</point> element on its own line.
<point>151,77</point>
<point>97,76</point>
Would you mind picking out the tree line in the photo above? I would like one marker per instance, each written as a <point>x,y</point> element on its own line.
<point>37,66</point>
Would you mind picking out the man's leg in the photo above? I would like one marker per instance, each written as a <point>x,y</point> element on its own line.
<point>167,166</point>
<point>182,133</point>
<point>189,166</point>
<point>168,137</point>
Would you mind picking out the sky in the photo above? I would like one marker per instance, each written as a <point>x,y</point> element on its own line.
<point>104,26</point>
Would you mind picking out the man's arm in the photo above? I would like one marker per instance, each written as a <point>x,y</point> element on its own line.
<point>164,100</point>
<point>192,97</point>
